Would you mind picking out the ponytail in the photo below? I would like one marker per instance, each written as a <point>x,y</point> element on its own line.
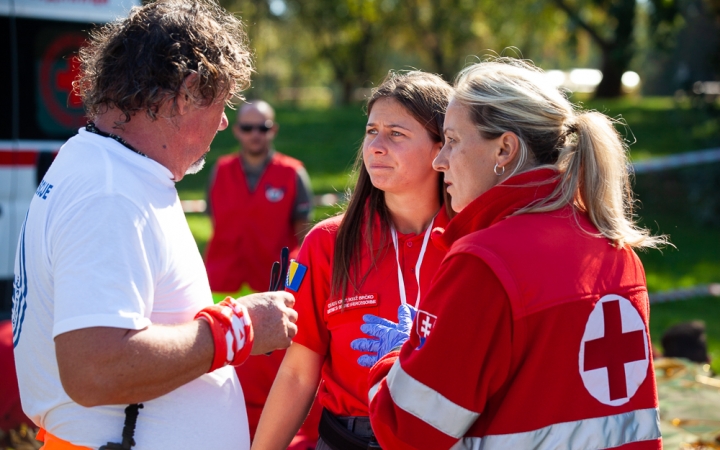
<point>595,178</point>
<point>506,94</point>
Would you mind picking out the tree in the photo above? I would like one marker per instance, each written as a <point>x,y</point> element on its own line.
<point>442,29</point>
<point>347,34</point>
<point>453,33</point>
<point>613,34</point>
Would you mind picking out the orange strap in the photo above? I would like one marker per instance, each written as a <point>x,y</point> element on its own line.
<point>55,443</point>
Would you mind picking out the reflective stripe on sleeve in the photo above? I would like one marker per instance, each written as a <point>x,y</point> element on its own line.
<point>599,432</point>
<point>373,391</point>
<point>426,404</point>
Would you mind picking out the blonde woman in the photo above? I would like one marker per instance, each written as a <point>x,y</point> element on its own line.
<point>535,331</point>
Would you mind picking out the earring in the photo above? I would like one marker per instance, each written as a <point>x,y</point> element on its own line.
<point>496,171</point>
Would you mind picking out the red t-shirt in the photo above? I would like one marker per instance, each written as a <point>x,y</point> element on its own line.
<point>327,328</point>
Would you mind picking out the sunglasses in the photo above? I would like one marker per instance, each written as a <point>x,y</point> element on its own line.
<point>247,128</point>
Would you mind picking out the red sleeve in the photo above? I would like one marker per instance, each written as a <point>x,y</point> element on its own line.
<point>315,257</point>
<point>431,392</point>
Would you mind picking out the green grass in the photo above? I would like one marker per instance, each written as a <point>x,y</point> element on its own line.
<point>201,228</point>
<point>684,204</point>
<point>695,261</point>
<point>661,126</point>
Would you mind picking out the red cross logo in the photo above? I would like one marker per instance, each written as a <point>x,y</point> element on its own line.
<point>65,78</point>
<point>614,351</point>
<point>59,66</point>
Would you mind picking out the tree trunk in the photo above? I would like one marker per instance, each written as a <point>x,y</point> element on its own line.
<point>618,53</point>
<point>612,69</point>
<point>347,92</point>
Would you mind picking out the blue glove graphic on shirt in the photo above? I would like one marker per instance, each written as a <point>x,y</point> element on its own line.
<point>388,335</point>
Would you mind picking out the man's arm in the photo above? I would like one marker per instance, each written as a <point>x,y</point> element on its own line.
<point>103,365</point>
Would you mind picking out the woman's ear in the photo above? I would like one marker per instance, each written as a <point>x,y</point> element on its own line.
<point>509,148</point>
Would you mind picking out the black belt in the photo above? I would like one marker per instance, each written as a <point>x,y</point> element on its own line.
<point>347,433</point>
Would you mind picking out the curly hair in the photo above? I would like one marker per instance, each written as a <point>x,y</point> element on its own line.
<point>137,63</point>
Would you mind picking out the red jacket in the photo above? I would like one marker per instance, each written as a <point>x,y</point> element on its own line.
<point>534,335</point>
<point>250,228</point>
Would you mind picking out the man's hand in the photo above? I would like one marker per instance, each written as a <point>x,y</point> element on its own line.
<point>273,320</point>
<point>389,335</point>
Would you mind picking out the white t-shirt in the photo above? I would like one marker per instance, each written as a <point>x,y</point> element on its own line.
<point>106,244</point>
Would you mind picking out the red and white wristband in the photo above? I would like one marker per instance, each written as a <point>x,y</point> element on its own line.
<point>231,330</point>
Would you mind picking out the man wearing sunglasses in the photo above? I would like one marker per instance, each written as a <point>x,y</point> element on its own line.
<point>259,202</point>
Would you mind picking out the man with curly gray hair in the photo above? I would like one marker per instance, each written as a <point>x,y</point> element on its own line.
<point>111,303</point>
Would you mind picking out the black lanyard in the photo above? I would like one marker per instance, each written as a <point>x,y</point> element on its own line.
<point>92,128</point>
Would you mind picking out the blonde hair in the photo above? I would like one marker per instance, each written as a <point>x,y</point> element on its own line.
<point>505,94</point>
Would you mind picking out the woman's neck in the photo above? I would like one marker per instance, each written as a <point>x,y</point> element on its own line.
<point>412,213</point>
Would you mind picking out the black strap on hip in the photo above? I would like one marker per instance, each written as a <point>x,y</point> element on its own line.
<point>128,433</point>
<point>337,436</point>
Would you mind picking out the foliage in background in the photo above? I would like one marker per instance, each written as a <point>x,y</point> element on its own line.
<point>350,35</point>
<point>610,24</point>
<point>324,52</point>
<point>680,45</point>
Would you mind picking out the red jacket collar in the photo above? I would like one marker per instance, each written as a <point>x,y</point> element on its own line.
<point>496,204</point>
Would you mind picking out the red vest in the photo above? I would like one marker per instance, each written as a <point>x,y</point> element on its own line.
<point>575,370</point>
<point>250,228</point>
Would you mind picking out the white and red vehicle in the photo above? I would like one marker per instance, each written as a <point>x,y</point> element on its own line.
<point>39,40</point>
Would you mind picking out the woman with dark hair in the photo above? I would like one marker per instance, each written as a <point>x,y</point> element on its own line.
<point>376,258</point>
<point>534,334</point>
